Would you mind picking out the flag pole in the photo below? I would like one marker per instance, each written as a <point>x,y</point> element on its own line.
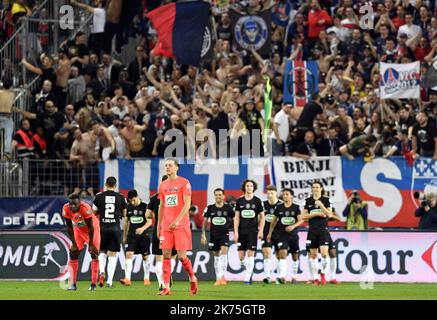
<point>380,96</point>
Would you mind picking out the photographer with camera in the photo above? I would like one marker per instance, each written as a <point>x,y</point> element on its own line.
<point>427,212</point>
<point>356,212</point>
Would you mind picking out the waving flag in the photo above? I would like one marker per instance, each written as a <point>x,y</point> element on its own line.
<point>400,81</point>
<point>252,32</point>
<point>181,29</point>
<point>301,79</point>
<point>267,107</point>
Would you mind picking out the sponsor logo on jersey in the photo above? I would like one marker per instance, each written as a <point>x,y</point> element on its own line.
<point>171,200</point>
<point>269,217</point>
<point>78,221</point>
<point>316,211</point>
<point>219,221</point>
<point>248,214</point>
<point>136,220</point>
<point>288,221</point>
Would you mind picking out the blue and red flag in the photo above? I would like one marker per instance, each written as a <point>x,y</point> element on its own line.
<point>180,28</point>
<point>301,79</point>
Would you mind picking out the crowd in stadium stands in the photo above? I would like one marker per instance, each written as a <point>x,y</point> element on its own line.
<point>88,101</point>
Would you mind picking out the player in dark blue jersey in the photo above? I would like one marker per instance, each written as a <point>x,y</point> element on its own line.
<point>269,209</point>
<point>283,233</point>
<point>317,211</point>
<point>135,237</point>
<point>221,215</point>
<point>248,226</point>
<point>110,207</point>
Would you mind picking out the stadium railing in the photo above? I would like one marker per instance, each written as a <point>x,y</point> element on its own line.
<point>29,177</point>
<point>36,34</point>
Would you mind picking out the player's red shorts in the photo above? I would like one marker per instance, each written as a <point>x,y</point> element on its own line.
<point>81,238</point>
<point>180,239</point>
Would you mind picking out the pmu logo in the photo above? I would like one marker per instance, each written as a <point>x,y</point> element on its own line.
<point>40,256</point>
<point>430,255</point>
<point>394,80</point>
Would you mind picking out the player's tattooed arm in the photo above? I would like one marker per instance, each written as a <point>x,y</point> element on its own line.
<point>326,211</point>
<point>296,225</point>
<point>262,220</point>
<point>125,228</point>
<point>203,237</point>
<point>145,227</point>
<point>236,225</point>
<point>305,215</point>
<point>160,213</point>
<point>272,227</point>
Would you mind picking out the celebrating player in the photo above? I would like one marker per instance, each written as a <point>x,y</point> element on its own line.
<point>317,211</point>
<point>283,234</point>
<point>83,227</point>
<point>110,206</point>
<point>152,211</point>
<point>248,226</point>
<point>174,223</point>
<point>135,237</point>
<point>269,207</point>
<point>220,214</point>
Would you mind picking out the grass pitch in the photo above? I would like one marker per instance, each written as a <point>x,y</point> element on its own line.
<point>207,291</point>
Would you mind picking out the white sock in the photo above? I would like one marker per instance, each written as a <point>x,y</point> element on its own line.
<point>146,269</point>
<point>294,269</point>
<point>102,262</point>
<point>224,264</point>
<point>315,268</point>
<point>217,267</point>
<point>173,264</point>
<point>333,267</point>
<point>267,268</point>
<point>158,271</point>
<point>282,268</point>
<point>112,264</point>
<point>310,270</point>
<point>128,270</point>
<point>325,265</point>
<point>250,264</point>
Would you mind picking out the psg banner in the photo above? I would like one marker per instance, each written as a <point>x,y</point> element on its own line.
<point>207,53</point>
<point>301,79</point>
<point>367,257</point>
<point>252,32</point>
<point>400,81</point>
<point>298,175</point>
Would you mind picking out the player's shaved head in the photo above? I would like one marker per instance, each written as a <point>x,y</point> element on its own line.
<point>74,202</point>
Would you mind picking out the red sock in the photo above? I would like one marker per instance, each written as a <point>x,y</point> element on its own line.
<point>166,271</point>
<point>73,265</point>
<point>94,270</point>
<point>188,267</point>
